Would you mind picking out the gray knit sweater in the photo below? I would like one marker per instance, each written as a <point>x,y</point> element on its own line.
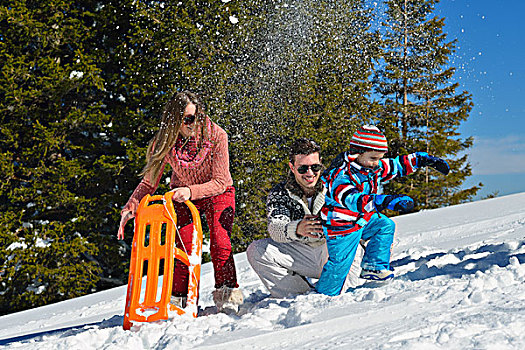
<point>286,206</point>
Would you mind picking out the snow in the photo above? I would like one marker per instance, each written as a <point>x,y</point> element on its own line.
<point>76,75</point>
<point>460,284</point>
<point>43,243</point>
<point>17,245</point>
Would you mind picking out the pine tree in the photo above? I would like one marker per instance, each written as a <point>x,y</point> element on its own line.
<point>336,91</point>
<point>421,108</point>
<point>52,125</point>
<point>82,90</point>
<point>303,71</point>
<point>163,48</point>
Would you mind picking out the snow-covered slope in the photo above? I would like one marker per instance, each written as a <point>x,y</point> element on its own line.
<point>460,284</point>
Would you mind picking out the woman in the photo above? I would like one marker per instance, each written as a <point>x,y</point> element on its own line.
<point>197,150</point>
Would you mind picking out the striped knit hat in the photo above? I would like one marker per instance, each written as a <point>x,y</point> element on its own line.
<point>369,138</point>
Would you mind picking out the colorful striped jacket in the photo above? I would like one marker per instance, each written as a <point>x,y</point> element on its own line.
<point>351,189</point>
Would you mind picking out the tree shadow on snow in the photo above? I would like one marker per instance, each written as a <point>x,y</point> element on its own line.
<point>66,331</point>
<point>469,262</point>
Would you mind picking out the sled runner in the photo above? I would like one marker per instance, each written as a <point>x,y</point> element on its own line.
<point>153,255</point>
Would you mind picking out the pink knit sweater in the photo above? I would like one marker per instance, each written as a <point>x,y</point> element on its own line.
<point>206,172</point>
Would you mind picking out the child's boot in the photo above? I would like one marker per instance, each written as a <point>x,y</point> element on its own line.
<point>377,275</point>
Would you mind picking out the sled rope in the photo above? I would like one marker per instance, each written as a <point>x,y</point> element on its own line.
<point>178,233</point>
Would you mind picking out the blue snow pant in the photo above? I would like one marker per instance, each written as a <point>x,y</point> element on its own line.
<point>341,252</point>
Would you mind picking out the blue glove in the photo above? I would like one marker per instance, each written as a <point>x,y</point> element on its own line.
<point>424,159</point>
<point>397,202</point>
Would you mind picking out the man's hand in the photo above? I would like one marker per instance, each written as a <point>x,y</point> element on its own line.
<point>181,194</point>
<point>126,216</point>
<point>310,226</point>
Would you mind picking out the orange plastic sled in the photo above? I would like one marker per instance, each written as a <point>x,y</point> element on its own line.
<point>154,248</point>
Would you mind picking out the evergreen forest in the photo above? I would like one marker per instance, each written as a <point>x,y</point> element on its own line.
<point>83,84</point>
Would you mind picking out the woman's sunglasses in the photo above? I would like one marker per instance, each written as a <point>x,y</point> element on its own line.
<point>189,119</point>
<point>304,168</point>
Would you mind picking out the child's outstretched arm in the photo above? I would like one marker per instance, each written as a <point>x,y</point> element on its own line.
<point>407,164</point>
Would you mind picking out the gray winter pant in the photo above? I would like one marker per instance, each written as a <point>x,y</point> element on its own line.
<point>287,268</point>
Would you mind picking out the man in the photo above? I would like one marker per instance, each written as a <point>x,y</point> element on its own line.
<point>296,250</point>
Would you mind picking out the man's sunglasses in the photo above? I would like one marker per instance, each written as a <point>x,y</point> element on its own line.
<point>304,168</point>
<point>189,119</point>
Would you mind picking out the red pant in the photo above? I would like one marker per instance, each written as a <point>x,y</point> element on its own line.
<point>219,211</point>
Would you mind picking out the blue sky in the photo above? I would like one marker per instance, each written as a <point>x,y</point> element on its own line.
<point>490,62</point>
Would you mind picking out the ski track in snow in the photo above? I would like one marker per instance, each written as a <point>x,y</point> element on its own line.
<point>460,283</point>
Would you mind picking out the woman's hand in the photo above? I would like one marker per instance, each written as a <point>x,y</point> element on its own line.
<point>126,216</point>
<point>181,194</point>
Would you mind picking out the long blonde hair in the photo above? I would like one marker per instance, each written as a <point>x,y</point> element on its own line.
<point>169,130</point>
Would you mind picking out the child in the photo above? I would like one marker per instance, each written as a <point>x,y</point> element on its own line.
<point>352,208</point>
